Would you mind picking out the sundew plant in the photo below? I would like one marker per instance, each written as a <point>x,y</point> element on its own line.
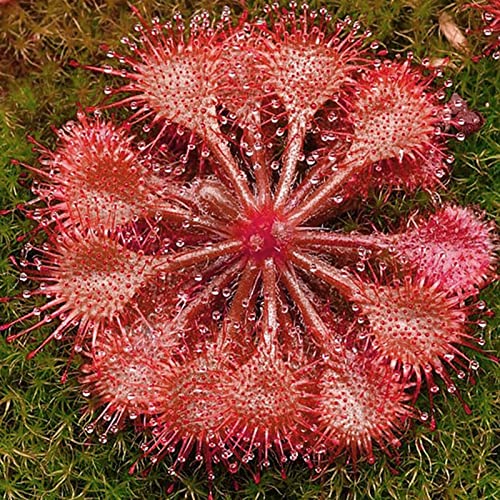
<point>247,259</point>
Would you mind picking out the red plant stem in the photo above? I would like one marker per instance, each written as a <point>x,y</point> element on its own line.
<point>293,149</point>
<point>320,197</point>
<point>269,287</point>
<point>188,315</point>
<point>310,316</point>
<point>177,215</point>
<point>262,180</point>
<point>226,160</point>
<point>288,336</point>
<point>304,187</point>
<point>325,240</point>
<point>338,279</point>
<point>321,171</point>
<point>198,257</point>
<point>261,174</point>
<point>245,291</point>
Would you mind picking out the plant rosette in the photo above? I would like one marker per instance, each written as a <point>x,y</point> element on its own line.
<point>189,252</point>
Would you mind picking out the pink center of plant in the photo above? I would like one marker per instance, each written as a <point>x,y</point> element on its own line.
<point>263,235</point>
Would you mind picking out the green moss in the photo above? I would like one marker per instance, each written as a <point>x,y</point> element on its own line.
<point>43,450</point>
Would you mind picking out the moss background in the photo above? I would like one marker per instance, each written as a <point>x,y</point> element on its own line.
<point>44,453</point>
